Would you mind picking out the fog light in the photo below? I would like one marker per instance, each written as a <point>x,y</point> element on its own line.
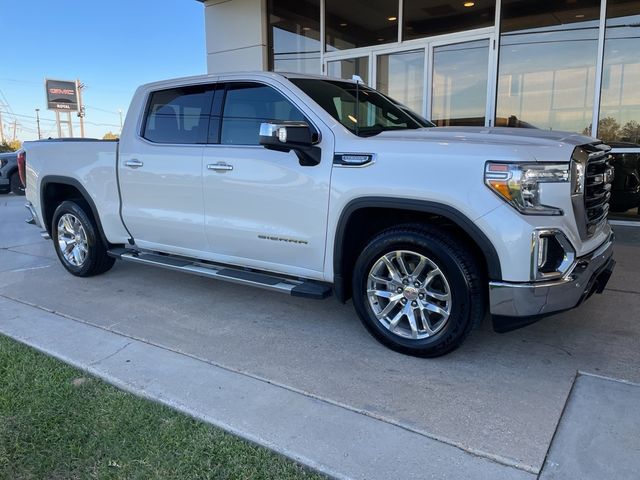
<point>552,255</point>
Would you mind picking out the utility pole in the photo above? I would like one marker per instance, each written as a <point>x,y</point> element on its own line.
<point>38,122</point>
<point>120,112</point>
<point>1,129</point>
<point>79,87</point>
<point>15,124</point>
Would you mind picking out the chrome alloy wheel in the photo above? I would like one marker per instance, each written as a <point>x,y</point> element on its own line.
<point>72,240</point>
<point>409,294</point>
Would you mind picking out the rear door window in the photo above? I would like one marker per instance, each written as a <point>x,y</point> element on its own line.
<point>179,115</point>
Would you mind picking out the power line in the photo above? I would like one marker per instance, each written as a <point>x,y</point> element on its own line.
<point>48,120</point>
<point>101,110</point>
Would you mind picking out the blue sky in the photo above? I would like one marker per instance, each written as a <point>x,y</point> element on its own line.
<point>112,47</point>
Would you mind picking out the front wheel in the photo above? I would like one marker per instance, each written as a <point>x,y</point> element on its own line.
<point>77,241</point>
<point>417,290</point>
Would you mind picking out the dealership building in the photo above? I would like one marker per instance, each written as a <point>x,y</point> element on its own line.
<point>562,65</point>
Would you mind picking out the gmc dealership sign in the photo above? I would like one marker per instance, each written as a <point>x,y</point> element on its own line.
<point>62,95</point>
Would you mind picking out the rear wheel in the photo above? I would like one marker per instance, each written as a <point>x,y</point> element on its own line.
<point>77,242</point>
<point>16,184</point>
<point>417,290</point>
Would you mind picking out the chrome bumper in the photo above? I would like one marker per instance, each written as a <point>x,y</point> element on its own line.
<point>517,304</point>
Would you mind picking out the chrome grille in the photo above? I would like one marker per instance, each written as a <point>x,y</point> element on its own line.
<point>597,185</point>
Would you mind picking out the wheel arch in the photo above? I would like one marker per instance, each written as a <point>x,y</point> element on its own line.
<point>59,188</point>
<point>427,211</point>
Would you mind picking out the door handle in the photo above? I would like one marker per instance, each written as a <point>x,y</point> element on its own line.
<point>134,163</point>
<point>220,167</point>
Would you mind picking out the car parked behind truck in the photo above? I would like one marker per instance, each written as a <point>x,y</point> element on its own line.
<point>9,176</point>
<point>311,186</point>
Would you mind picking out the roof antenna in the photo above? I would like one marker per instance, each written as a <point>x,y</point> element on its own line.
<point>358,80</point>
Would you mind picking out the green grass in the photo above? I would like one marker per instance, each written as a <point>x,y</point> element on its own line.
<point>57,422</point>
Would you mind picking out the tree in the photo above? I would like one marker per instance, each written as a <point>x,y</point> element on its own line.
<point>630,132</point>
<point>110,136</point>
<point>608,129</point>
<point>10,146</point>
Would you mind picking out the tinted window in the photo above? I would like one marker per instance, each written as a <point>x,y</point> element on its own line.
<point>179,115</point>
<point>425,18</point>
<point>246,106</point>
<point>360,24</point>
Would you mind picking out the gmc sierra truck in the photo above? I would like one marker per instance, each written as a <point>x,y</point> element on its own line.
<point>309,185</point>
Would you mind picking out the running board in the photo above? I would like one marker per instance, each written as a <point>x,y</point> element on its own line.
<point>267,281</point>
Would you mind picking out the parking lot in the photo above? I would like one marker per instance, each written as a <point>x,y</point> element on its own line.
<point>500,396</point>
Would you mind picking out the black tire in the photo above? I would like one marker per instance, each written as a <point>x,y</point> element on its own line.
<point>96,260</point>
<point>461,273</point>
<point>16,184</point>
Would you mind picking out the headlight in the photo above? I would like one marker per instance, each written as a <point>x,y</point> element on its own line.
<point>519,184</point>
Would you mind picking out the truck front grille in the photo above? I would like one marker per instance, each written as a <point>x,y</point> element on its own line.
<point>597,185</point>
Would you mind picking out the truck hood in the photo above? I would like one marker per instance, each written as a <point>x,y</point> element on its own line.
<point>544,145</point>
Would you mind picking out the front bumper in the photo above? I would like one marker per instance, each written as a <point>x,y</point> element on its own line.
<point>514,305</point>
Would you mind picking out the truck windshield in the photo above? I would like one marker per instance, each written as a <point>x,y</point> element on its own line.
<point>362,110</point>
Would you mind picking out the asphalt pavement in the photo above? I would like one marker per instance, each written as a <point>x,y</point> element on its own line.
<point>497,401</point>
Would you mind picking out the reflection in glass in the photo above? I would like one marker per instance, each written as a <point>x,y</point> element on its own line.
<point>425,18</point>
<point>294,43</point>
<point>547,64</point>
<point>625,190</point>
<point>347,68</point>
<point>620,93</point>
<point>401,76</point>
<point>619,120</point>
<point>351,24</point>
<point>459,95</point>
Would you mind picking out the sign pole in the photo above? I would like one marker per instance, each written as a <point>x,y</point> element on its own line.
<point>58,124</point>
<point>70,124</point>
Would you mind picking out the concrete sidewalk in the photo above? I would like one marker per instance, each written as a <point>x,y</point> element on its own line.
<point>331,439</point>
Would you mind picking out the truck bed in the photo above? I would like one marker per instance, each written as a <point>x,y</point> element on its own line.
<point>81,163</point>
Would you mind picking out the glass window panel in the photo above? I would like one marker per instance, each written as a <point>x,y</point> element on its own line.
<point>401,76</point>
<point>425,18</point>
<point>459,92</point>
<point>522,15</point>
<point>619,119</point>
<point>625,189</point>
<point>246,106</point>
<point>179,115</point>
<point>547,64</point>
<point>360,23</point>
<point>347,68</point>
<point>294,37</point>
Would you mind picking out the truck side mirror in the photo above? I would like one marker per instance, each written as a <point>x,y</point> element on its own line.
<point>287,136</point>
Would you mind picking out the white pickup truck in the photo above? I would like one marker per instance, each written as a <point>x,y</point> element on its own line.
<point>311,186</point>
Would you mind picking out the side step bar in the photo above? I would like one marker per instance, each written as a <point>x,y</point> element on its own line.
<point>268,281</point>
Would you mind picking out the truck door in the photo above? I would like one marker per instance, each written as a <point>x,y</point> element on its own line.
<point>160,170</point>
<point>262,208</point>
